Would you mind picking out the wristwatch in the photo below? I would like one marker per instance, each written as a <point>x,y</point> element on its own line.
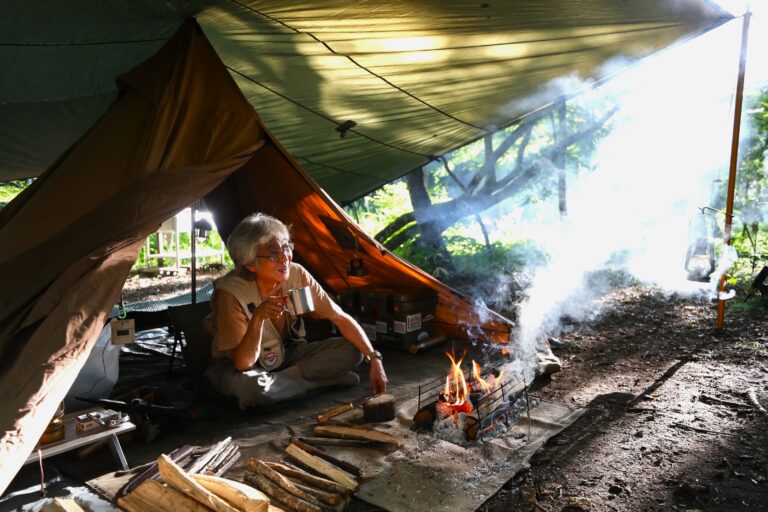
<point>374,354</point>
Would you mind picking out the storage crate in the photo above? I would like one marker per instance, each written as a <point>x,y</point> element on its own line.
<point>393,319</point>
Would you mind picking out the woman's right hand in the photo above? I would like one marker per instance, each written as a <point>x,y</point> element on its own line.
<point>270,308</point>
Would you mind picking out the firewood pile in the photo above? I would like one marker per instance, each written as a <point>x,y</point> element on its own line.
<point>309,479</point>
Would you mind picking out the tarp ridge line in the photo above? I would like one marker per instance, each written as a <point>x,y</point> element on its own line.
<point>320,114</point>
<point>367,70</point>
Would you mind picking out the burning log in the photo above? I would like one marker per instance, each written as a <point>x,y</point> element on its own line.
<point>152,496</point>
<point>323,467</point>
<point>177,478</point>
<point>310,479</point>
<point>346,466</point>
<point>273,490</point>
<point>356,432</point>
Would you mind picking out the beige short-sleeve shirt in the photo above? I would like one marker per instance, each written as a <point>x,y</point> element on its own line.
<point>230,320</point>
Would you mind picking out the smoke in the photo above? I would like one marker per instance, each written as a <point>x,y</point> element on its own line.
<point>668,142</point>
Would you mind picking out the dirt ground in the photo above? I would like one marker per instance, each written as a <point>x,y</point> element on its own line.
<point>673,420</point>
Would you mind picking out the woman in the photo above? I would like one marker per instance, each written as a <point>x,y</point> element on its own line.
<point>260,355</point>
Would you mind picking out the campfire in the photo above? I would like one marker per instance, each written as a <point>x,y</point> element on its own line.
<point>469,404</point>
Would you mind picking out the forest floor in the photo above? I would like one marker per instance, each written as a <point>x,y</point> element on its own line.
<point>674,409</point>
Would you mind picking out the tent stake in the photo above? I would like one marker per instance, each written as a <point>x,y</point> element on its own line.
<point>720,322</point>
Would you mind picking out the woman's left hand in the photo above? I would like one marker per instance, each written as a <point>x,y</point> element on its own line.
<point>378,377</point>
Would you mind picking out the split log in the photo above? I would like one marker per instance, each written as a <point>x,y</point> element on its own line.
<point>211,454</point>
<point>333,441</point>
<point>231,462</point>
<point>62,505</point>
<point>356,432</point>
<point>274,491</point>
<point>314,481</point>
<point>259,467</point>
<point>239,495</point>
<point>152,496</point>
<point>176,477</point>
<point>329,498</point>
<point>346,466</point>
<point>177,455</point>
<point>323,467</point>
<point>220,459</point>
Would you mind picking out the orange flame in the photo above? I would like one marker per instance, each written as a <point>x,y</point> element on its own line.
<point>456,390</point>
<point>476,375</point>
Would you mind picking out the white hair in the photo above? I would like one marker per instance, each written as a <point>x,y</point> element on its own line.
<point>253,231</point>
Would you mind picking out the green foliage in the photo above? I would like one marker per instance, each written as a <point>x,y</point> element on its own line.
<point>10,189</point>
<point>377,210</point>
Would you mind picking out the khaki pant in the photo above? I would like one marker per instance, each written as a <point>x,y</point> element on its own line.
<point>307,366</point>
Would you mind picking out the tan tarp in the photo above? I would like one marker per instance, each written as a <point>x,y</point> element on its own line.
<point>179,129</point>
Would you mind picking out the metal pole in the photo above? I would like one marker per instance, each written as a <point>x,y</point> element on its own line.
<point>720,322</point>
<point>193,262</point>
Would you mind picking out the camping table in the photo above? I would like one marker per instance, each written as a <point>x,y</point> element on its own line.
<point>74,439</point>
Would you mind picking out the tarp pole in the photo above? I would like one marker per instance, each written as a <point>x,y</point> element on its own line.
<point>720,322</point>
<point>193,255</point>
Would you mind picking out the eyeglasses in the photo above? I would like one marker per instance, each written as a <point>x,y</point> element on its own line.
<point>284,250</point>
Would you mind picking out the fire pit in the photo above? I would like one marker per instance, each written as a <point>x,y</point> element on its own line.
<point>471,405</point>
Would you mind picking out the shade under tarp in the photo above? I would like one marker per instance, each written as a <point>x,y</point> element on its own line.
<point>418,78</point>
<point>179,130</point>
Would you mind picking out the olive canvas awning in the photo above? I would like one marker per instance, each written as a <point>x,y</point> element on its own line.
<point>415,78</point>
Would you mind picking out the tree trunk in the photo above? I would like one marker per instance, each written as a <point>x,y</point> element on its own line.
<point>430,228</point>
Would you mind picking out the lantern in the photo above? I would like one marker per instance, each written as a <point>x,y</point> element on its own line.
<point>700,257</point>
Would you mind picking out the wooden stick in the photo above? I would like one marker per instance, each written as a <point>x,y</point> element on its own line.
<point>62,505</point>
<point>346,466</point>
<point>330,498</point>
<point>242,496</point>
<point>176,477</point>
<point>356,432</point>
<point>176,456</point>
<point>259,467</point>
<point>219,459</point>
<point>323,467</point>
<point>271,489</point>
<point>201,462</point>
<point>315,481</point>
<point>231,462</point>
<point>333,441</point>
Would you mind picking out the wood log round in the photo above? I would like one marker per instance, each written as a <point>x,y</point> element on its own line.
<point>379,408</point>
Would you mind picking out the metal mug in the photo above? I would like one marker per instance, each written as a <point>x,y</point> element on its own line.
<point>301,300</point>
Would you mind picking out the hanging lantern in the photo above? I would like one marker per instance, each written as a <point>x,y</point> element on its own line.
<point>700,257</point>
<point>202,228</point>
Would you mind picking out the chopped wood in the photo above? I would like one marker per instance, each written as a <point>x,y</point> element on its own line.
<point>152,496</point>
<point>356,432</point>
<point>274,491</point>
<point>211,454</point>
<point>176,477</point>
<point>259,467</point>
<point>62,505</point>
<point>239,495</point>
<point>310,479</point>
<point>231,462</point>
<point>177,456</point>
<point>330,498</point>
<point>323,467</point>
<point>220,459</point>
<point>334,441</point>
<point>346,466</point>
